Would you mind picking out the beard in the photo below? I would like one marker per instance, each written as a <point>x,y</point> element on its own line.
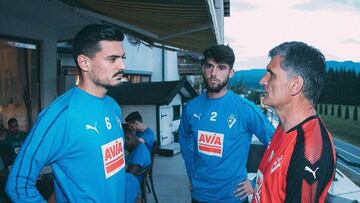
<point>217,88</point>
<point>106,83</point>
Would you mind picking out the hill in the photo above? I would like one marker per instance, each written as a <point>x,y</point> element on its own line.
<point>251,78</point>
<point>348,65</point>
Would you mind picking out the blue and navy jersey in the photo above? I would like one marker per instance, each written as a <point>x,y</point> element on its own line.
<point>215,137</point>
<point>132,191</point>
<point>149,138</point>
<point>139,156</point>
<point>80,137</point>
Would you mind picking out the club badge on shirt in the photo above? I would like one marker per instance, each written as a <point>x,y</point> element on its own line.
<point>113,157</point>
<point>210,143</point>
<point>231,120</point>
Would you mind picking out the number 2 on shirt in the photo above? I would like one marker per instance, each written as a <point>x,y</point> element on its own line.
<point>213,116</point>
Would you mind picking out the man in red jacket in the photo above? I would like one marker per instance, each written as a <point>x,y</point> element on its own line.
<point>299,164</point>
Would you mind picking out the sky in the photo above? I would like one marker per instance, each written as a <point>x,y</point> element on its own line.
<point>256,26</point>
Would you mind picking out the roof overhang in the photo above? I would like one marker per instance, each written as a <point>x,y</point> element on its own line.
<point>152,93</point>
<point>185,24</point>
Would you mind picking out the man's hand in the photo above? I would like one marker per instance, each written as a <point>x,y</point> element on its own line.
<point>244,189</point>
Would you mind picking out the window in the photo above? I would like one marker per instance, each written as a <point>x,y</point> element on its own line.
<point>137,76</point>
<point>176,112</point>
<point>19,81</point>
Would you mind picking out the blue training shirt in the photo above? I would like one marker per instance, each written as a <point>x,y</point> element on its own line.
<point>139,156</point>
<point>132,190</point>
<point>149,138</point>
<point>215,137</point>
<point>80,136</point>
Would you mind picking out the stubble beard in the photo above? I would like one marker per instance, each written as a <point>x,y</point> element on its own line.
<point>217,88</point>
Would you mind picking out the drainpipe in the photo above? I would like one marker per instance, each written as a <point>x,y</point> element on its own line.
<point>163,63</point>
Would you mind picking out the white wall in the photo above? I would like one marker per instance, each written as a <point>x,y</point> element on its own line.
<point>148,113</point>
<point>143,58</point>
<point>176,101</point>
<point>171,66</point>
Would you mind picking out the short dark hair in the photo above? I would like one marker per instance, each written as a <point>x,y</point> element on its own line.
<point>134,116</point>
<point>220,54</point>
<point>127,130</point>
<point>298,58</point>
<point>87,40</point>
<point>12,120</point>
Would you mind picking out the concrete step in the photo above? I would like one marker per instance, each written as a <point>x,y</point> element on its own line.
<point>169,149</point>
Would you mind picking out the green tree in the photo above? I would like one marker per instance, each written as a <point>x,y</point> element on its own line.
<point>355,112</point>
<point>326,109</point>
<point>338,114</point>
<point>321,109</point>
<point>332,110</point>
<point>347,113</point>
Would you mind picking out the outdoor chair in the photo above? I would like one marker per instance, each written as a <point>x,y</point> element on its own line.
<point>145,171</point>
<point>153,152</point>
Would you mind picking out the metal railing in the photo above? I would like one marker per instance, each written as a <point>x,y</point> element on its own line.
<point>346,161</point>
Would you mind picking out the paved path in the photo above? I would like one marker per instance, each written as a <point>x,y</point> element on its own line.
<point>351,153</point>
<point>170,180</point>
<point>171,183</point>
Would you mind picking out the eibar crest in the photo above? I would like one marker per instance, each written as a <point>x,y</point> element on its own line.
<point>118,121</point>
<point>231,120</point>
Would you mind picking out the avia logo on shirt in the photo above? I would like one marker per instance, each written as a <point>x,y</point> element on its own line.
<point>113,156</point>
<point>210,143</point>
<point>258,186</point>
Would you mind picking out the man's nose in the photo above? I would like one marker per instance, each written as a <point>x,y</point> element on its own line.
<point>263,80</point>
<point>214,71</point>
<point>120,64</point>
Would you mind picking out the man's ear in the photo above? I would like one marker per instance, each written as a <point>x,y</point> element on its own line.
<point>231,72</point>
<point>84,62</point>
<point>296,85</point>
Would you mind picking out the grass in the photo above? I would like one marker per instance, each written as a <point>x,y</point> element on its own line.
<point>345,129</point>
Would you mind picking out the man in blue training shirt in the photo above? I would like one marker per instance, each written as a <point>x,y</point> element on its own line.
<point>79,135</point>
<point>144,133</point>
<point>139,155</point>
<point>215,133</point>
<point>132,190</point>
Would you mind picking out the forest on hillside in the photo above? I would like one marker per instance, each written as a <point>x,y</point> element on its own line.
<point>341,87</point>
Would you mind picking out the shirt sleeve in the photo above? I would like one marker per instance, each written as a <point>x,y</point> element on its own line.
<point>186,141</point>
<point>141,156</point>
<point>40,148</point>
<point>311,168</point>
<point>149,138</point>
<point>259,125</point>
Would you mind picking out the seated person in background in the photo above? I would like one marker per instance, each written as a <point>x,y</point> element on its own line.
<point>132,189</point>
<point>144,133</point>
<point>139,155</point>
<point>15,137</point>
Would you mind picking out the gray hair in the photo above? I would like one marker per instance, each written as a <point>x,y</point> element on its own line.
<point>300,59</point>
